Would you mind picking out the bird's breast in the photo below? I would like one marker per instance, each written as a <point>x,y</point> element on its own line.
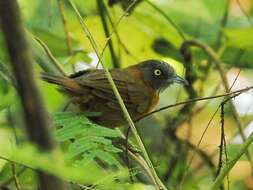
<point>150,97</point>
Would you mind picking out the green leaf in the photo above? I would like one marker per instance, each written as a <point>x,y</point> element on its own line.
<point>87,139</point>
<point>53,163</point>
<point>106,157</point>
<point>7,143</point>
<point>240,38</point>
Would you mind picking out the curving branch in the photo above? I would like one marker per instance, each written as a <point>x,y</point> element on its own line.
<point>34,114</point>
<point>218,63</point>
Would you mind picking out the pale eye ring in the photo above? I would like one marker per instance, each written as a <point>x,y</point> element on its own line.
<point>157,72</point>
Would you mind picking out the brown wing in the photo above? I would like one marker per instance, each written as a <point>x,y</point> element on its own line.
<point>133,92</point>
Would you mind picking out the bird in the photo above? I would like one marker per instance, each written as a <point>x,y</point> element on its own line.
<point>139,86</point>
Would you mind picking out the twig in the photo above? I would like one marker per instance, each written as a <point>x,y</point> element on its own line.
<point>11,161</point>
<point>116,25</point>
<point>206,128</point>
<point>244,12</point>
<point>179,155</point>
<point>225,170</point>
<point>49,15</point>
<point>41,56</point>
<point>205,157</point>
<point>158,184</point>
<point>195,100</point>
<point>179,31</point>
<point>223,139</point>
<point>50,56</point>
<point>218,63</point>
<point>64,22</point>
<point>222,24</point>
<point>183,115</point>
<point>102,13</point>
<point>8,181</point>
<point>126,152</point>
<point>6,75</point>
<point>34,114</point>
<point>200,108</point>
<point>120,42</point>
<point>143,164</point>
<point>13,169</point>
<point>213,154</point>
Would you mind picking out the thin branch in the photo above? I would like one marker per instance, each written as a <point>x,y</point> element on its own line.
<point>42,57</point>
<point>50,56</point>
<point>64,22</point>
<point>244,12</point>
<point>183,115</point>
<point>34,114</point>
<point>6,75</point>
<point>195,100</point>
<point>223,23</point>
<point>226,169</point>
<point>102,13</point>
<point>8,181</point>
<point>218,63</point>
<point>209,122</point>
<point>143,164</point>
<point>158,184</point>
<point>13,169</point>
<point>205,157</point>
<point>213,154</point>
<point>114,28</point>
<point>204,132</point>
<point>126,152</point>
<point>21,164</point>
<point>223,139</point>
<point>200,108</point>
<point>160,11</point>
<point>120,42</point>
<point>49,14</point>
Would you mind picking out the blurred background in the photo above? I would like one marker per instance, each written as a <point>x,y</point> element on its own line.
<point>150,29</point>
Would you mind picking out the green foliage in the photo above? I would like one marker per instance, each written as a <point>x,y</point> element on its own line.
<point>54,163</point>
<point>88,141</point>
<point>241,38</point>
<point>144,34</point>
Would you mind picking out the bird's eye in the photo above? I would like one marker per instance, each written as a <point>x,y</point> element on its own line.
<point>157,72</point>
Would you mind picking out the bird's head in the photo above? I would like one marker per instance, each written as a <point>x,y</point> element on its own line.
<point>159,74</point>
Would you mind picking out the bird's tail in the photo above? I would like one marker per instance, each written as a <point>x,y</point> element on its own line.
<point>59,80</point>
<point>64,82</point>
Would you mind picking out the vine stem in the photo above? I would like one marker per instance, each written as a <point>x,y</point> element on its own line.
<point>158,184</point>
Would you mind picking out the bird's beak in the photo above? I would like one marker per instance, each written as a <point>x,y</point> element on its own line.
<point>180,80</point>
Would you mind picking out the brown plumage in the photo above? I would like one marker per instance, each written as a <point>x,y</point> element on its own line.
<point>138,85</point>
